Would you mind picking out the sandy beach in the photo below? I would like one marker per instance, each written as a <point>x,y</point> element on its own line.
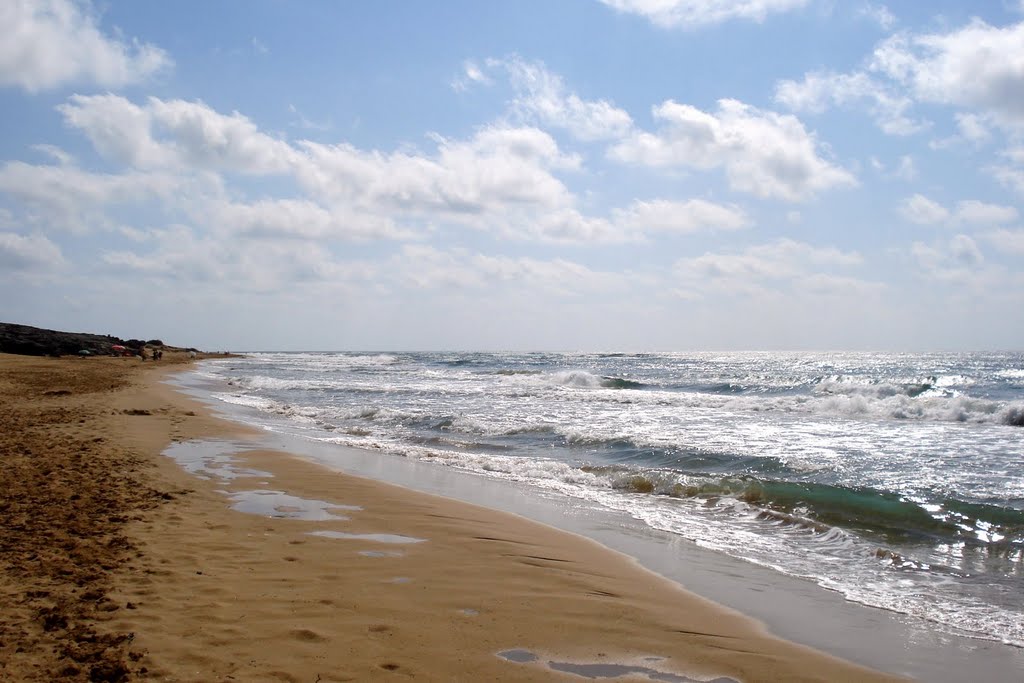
<point>118,564</point>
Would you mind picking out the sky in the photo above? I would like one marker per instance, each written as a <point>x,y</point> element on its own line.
<point>630,175</point>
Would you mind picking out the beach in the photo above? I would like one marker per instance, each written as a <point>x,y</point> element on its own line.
<point>121,564</point>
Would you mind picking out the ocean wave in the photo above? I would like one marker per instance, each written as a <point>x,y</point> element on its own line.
<point>247,400</point>
<point>888,515</point>
<point>1011,373</point>
<point>875,388</point>
<point>586,380</point>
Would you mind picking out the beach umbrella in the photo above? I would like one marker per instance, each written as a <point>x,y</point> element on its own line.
<point>85,352</point>
<point>117,347</point>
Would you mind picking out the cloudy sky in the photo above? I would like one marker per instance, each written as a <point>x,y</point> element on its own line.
<point>575,175</point>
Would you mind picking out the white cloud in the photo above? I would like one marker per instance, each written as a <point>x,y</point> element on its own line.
<point>543,96</point>
<point>971,212</point>
<point>964,250</point>
<point>973,127</point>
<point>497,170</point>
<point>977,66</point>
<point>1011,241</point>
<point>68,197</point>
<point>784,263</point>
<point>919,209</point>
<point>176,133</point>
<point>1009,176</point>
<point>19,253</point>
<point>827,284</point>
<point>974,212</point>
<point>208,139</point>
<point>428,267</point>
<point>181,256</point>
<point>780,259</point>
<point>567,226</point>
<point>763,153</point>
<point>695,13</point>
<point>302,219</point>
<point>960,266</point>
<point>880,14</point>
<point>906,170</point>
<point>501,179</point>
<point>681,217</point>
<point>119,129</point>
<point>471,75</point>
<point>1010,173</point>
<point>55,153</point>
<point>950,260</point>
<point>823,89</point>
<point>49,43</point>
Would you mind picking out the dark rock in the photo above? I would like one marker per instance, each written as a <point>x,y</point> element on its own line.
<point>34,341</point>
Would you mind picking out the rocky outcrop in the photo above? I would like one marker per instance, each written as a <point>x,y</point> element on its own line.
<point>35,341</point>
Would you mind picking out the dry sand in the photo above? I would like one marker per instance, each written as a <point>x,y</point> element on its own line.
<point>117,564</point>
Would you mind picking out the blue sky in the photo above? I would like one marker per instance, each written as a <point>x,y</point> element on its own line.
<point>577,175</point>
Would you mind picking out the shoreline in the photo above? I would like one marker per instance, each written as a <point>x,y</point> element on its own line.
<point>211,593</point>
<point>793,608</point>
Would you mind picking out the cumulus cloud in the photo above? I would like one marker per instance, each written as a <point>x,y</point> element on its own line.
<point>50,43</point>
<point>175,133</point>
<point>502,179</point>
<point>821,90</point>
<point>971,212</point>
<point>977,66</point>
<point>697,13</point>
<point>542,95</point>
<point>923,211</point>
<point>763,153</point>
<point>499,168</point>
<point>20,253</point>
<point>500,174</point>
<point>973,127</point>
<point>70,198</point>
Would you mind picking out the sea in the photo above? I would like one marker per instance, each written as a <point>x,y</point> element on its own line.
<point>896,480</point>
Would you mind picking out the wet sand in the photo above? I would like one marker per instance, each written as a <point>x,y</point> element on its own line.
<point>121,563</point>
